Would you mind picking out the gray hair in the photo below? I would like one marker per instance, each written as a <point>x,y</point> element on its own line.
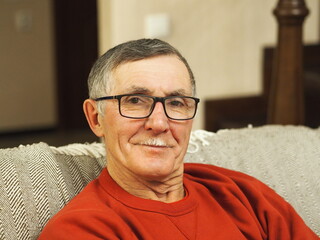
<point>100,80</point>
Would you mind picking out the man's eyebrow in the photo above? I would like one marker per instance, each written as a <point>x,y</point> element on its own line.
<point>179,92</point>
<point>137,90</point>
<point>146,91</point>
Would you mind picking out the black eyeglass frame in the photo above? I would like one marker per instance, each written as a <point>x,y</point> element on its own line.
<point>155,100</point>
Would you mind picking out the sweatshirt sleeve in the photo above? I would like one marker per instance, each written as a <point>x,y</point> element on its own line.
<point>236,191</point>
<point>280,219</point>
<point>276,216</point>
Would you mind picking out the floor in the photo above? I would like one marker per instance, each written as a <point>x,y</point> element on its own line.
<point>51,137</point>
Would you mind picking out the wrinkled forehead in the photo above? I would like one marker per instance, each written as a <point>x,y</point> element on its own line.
<point>165,74</point>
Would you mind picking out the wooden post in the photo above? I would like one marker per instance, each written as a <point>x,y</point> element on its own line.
<point>286,100</point>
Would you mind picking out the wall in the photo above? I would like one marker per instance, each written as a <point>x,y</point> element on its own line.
<point>27,89</point>
<point>222,39</point>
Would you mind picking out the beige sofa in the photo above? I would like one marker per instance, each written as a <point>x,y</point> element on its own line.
<point>37,180</point>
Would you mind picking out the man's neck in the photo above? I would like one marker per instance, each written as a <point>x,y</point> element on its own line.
<point>166,190</point>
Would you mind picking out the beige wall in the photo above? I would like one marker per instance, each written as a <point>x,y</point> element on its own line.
<point>222,39</point>
<point>27,90</point>
<point>218,37</point>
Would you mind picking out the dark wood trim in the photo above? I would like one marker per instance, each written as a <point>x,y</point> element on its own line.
<point>286,100</point>
<point>235,112</point>
<point>76,38</point>
<point>291,92</point>
<point>239,112</point>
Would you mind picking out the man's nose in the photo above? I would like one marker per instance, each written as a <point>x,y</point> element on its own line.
<point>158,120</point>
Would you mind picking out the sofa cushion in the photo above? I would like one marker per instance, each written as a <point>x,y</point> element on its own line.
<point>286,158</point>
<point>37,180</point>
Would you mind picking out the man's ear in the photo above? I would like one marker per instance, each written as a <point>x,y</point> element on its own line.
<point>91,111</point>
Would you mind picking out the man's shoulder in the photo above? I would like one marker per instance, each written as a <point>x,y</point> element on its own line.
<point>88,200</point>
<point>217,177</point>
<point>90,208</point>
<point>83,218</point>
<point>208,170</point>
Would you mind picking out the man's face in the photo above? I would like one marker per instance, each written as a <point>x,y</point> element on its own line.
<point>125,138</point>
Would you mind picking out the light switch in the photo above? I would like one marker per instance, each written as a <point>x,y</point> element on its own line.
<point>23,20</point>
<point>157,25</point>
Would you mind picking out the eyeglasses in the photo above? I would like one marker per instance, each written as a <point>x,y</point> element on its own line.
<point>140,106</point>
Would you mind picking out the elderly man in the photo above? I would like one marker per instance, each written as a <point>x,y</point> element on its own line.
<point>142,104</point>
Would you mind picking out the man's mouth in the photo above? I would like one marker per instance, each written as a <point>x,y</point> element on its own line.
<point>155,142</point>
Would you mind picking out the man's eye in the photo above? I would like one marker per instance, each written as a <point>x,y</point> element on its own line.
<point>176,103</point>
<point>134,100</point>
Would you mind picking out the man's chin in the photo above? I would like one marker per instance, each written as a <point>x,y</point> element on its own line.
<point>159,170</point>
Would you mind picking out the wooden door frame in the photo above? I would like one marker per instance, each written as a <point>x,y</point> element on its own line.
<point>76,47</point>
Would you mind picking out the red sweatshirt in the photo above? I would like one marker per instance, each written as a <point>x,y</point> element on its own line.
<point>220,204</point>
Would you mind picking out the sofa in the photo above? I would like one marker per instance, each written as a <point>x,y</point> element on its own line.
<point>37,180</point>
